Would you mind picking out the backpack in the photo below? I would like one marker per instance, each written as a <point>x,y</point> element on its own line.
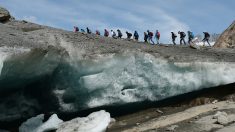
<point>192,35</point>
<point>158,34</point>
<point>151,34</point>
<point>107,33</point>
<point>183,34</point>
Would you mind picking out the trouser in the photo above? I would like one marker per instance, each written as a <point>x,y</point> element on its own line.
<point>190,40</point>
<point>173,40</point>
<point>182,40</point>
<point>151,40</point>
<point>206,40</point>
<point>157,39</point>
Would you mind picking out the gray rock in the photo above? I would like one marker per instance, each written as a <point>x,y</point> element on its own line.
<point>172,128</point>
<point>4,15</point>
<point>222,118</point>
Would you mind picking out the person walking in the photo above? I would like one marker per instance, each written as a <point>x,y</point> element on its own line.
<point>157,36</point>
<point>145,37</point>
<point>150,37</point>
<point>76,29</point>
<point>106,33</point>
<point>206,38</point>
<point>190,37</point>
<point>136,36</point>
<point>88,30</point>
<point>119,34</point>
<point>173,36</point>
<point>129,35</point>
<point>182,37</point>
<point>97,32</point>
<point>113,34</point>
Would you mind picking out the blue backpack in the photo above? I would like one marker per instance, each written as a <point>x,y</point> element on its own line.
<point>192,35</point>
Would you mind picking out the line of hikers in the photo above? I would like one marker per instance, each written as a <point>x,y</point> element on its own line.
<point>148,36</point>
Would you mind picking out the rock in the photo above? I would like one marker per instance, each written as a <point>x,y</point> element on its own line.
<point>95,122</point>
<point>172,128</point>
<point>36,124</point>
<point>227,39</point>
<point>159,111</point>
<point>222,118</point>
<point>215,101</point>
<point>4,15</point>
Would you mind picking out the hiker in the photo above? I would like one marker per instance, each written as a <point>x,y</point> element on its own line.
<point>182,36</point>
<point>97,32</point>
<point>136,36</point>
<point>76,29</point>
<point>174,36</point>
<point>119,34</point>
<point>145,37</point>
<point>129,35</point>
<point>113,34</point>
<point>190,37</point>
<point>88,30</point>
<point>83,31</point>
<point>106,33</point>
<point>206,38</point>
<point>150,36</point>
<point>157,36</point>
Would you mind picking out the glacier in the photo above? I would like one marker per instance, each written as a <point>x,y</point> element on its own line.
<point>59,80</point>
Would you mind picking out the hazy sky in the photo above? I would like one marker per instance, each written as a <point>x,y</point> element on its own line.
<point>165,15</point>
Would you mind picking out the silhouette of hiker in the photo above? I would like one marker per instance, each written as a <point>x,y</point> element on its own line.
<point>119,34</point>
<point>173,36</point>
<point>88,30</point>
<point>97,32</point>
<point>106,33</point>
<point>129,35</point>
<point>76,29</point>
<point>157,36</point>
<point>113,34</point>
<point>182,37</point>
<point>145,37</point>
<point>150,37</point>
<point>206,38</point>
<point>190,37</point>
<point>136,36</point>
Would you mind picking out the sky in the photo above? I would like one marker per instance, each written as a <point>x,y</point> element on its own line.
<point>213,16</point>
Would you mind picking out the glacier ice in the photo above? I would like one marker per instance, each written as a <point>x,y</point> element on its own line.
<point>71,82</point>
<point>95,122</point>
<point>36,124</point>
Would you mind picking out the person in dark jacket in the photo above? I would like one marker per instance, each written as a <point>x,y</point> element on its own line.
<point>145,37</point>
<point>119,34</point>
<point>173,36</point>
<point>182,37</point>
<point>88,30</point>
<point>206,38</point>
<point>150,37</point>
<point>106,33</point>
<point>129,35</point>
<point>136,36</point>
<point>76,29</point>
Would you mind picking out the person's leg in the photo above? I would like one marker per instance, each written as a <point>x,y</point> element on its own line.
<point>181,41</point>
<point>184,41</point>
<point>208,42</point>
<point>152,40</point>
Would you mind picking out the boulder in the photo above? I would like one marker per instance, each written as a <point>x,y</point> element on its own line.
<point>222,118</point>
<point>4,15</point>
<point>227,38</point>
